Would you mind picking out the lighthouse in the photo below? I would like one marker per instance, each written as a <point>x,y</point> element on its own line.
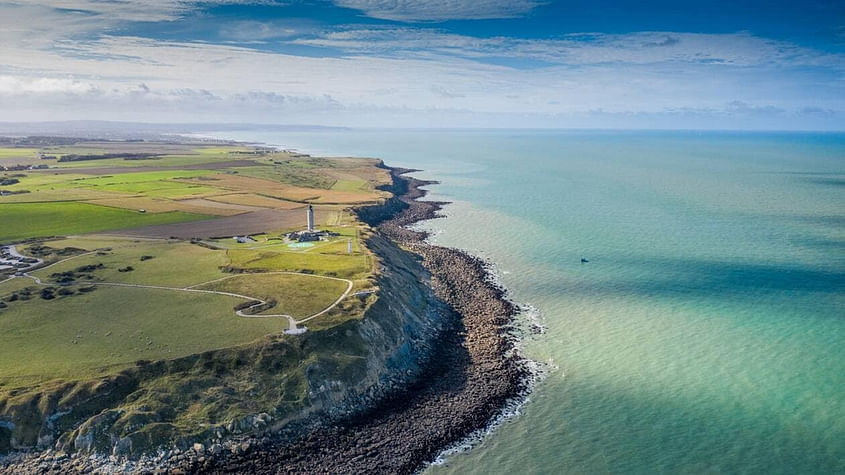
<point>310,219</point>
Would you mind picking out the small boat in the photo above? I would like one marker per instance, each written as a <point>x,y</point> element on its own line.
<point>584,260</point>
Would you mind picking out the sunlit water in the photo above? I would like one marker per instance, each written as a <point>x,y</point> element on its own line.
<point>707,332</point>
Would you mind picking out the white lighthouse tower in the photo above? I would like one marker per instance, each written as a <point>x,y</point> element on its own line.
<point>310,219</point>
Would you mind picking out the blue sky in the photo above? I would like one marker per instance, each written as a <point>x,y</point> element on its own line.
<point>438,63</point>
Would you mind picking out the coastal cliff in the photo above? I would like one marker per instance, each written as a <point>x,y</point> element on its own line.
<point>295,385</point>
<point>473,373</point>
<point>430,362</point>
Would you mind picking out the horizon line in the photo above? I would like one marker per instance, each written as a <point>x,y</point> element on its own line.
<point>194,125</point>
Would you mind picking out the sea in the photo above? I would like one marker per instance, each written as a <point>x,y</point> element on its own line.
<point>705,333</point>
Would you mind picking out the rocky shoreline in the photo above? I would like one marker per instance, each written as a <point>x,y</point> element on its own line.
<point>474,373</point>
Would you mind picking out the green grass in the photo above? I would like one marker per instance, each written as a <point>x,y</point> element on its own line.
<point>159,184</point>
<point>296,295</point>
<point>223,151</point>
<point>28,220</point>
<point>345,266</point>
<point>351,185</point>
<point>292,175</point>
<point>162,161</point>
<point>8,152</point>
<point>41,181</point>
<point>90,334</point>
<point>173,264</point>
<point>96,333</point>
<point>10,286</point>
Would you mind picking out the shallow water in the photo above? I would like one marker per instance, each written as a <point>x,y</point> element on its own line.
<point>707,332</point>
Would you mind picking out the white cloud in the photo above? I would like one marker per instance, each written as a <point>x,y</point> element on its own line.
<point>61,64</point>
<point>440,10</point>
<point>737,49</point>
<point>132,10</point>
<point>10,85</point>
<point>247,31</point>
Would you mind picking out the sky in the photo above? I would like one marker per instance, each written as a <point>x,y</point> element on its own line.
<point>716,64</point>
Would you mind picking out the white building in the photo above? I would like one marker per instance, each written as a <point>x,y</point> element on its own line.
<point>310,219</point>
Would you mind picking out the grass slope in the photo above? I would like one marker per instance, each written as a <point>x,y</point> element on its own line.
<point>296,295</point>
<point>87,335</point>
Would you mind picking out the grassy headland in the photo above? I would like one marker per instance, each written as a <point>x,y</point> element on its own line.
<point>117,297</point>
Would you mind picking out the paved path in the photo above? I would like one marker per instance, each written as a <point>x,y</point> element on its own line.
<point>293,329</point>
<point>14,252</point>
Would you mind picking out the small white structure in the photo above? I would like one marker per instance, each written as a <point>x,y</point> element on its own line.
<point>310,219</point>
<point>349,246</point>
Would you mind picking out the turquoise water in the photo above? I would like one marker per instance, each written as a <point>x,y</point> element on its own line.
<point>707,332</point>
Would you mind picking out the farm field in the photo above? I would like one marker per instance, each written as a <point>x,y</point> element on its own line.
<point>168,189</point>
<point>28,220</point>
<point>86,335</point>
<point>140,263</point>
<point>85,327</point>
<point>183,267</point>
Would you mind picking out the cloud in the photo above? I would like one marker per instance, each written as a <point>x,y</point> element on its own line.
<point>736,49</point>
<point>743,108</point>
<point>10,85</point>
<point>667,41</point>
<point>251,30</point>
<point>134,10</point>
<point>440,10</point>
<point>56,63</point>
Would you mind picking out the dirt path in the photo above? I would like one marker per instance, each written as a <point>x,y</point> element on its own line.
<point>293,330</point>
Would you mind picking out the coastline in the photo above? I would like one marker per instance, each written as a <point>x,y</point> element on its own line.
<point>471,378</point>
<point>475,375</point>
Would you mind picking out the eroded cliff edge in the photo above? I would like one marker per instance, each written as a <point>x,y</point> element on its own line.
<point>474,371</point>
<point>432,361</point>
<point>232,399</point>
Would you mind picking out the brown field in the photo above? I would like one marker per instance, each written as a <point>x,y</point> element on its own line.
<point>229,208</point>
<point>254,222</point>
<point>251,199</point>
<point>374,176</point>
<point>281,190</point>
<point>193,205</point>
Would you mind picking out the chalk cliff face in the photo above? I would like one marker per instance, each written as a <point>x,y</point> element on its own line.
<point>283,384</point>
<point>396,335</point>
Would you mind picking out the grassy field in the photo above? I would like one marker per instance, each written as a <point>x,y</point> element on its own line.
<point>296,295</point>
<point>165,263</point>
<point>99,332</point>
<point>10,152</point>
<point>86,334</point>
<point>82,328</point>
<point>28,220</point>
<point>348,267</point>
